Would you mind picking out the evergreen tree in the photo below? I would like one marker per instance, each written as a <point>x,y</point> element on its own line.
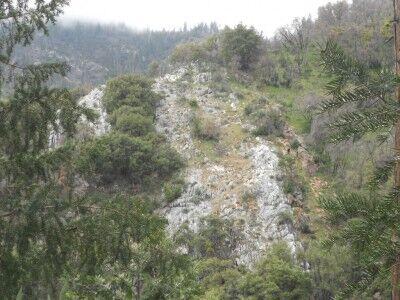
<point>241,44</point>
<point>56,242</point>
<point>363,103</point>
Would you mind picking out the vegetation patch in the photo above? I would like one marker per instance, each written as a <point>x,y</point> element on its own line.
<point>132,152</point>
<point>205,128</point>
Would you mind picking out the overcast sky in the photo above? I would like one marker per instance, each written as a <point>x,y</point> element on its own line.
<point>265,15</point>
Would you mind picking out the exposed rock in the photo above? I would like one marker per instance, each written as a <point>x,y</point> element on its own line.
<point>94,101</point>
<point>244,185</point>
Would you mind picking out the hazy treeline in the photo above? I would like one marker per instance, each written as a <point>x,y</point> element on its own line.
<point>97,52</point>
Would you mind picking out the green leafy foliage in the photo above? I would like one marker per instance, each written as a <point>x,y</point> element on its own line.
<point>217,237</point>
<point>134,124</point>
<point>242,44</point>
<point>133,152</point>
<point>365,96</point>
<point>276,277</point>
<point>125,252</point>
<point>118,157</point>
<point>57,240</point>
<point>366,224</point>
<point>130,90</point>
<point>364,221</point>
<point>331,269</point>
<point>269,123</point>
<point>173,190</point>
<point>204,127</point>
<point>188,53</point>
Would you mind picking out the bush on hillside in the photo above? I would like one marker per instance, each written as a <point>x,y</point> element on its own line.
<point>119,157</point>
<point>270,123</point>
<point>132,152</point>
<point>189,53</point>
<point>204,127</point>
<point>130,90</point>
<point>277,276</point>
<point>134,124</point>
<point>216,237</point>
<point>241,45</point>
<point>173,190</point>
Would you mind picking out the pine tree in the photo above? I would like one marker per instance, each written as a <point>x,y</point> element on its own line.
<point>55,242</point>
<point>363,102</point>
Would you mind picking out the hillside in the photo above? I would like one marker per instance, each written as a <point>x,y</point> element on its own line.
<point>231,175</point>
<point>98,52</point>
<point>203,164</point>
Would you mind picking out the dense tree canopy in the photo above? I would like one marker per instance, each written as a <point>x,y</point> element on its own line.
<point>55,241</point>
<point>241,44</point>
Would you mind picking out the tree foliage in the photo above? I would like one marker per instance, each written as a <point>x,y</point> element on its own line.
<point>57,241</point>
<point>133,152</point>
<point>363,102</point>
<point>242,44</point>
<point>363,98</point>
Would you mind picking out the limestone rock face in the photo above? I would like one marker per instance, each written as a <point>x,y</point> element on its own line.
<point>92,100</point>
<point>242,184</point>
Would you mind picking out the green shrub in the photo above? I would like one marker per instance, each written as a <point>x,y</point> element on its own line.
<point>277,71</point>
<point>295,144</point>
<point>216,237</point>
<point>193,103</point>
<point>172,191</point>
<point>242,44</point>
<point>134,124</point>
<point>189,52</point>
<point>305,228</point>
<point>131,90</point>
<point>270,123</point>
<point>277,276</point>
<point>289,185</point>
<point>120,157</point>
<point>126,110</point>
<point>293,182</point>
<point>205,128</point>
<point>285,217</point>
<point>133,152</point>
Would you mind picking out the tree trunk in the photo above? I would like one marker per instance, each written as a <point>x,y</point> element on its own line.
<point>396,267</point>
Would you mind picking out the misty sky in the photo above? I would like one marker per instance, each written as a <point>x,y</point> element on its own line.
<point>265,15</point>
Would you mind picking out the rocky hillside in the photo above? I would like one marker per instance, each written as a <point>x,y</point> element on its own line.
<point>235,176</point>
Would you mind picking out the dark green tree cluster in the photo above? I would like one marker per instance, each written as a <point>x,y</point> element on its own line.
<point>242,45</point>
<point>133,152</point>
<point>57,240</point>
<point>277,275</point>
<point>367,222</point>
<point>239,48</point>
